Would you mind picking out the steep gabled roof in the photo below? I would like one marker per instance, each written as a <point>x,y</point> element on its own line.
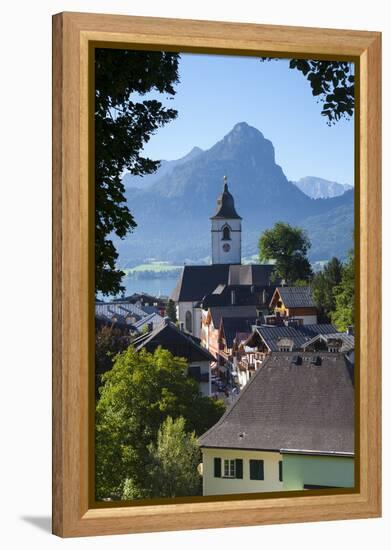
<point>168,336</point>
<point>294,296</point>
<point>196,281</point>
<point>231,326</point>
<point>305,404</point>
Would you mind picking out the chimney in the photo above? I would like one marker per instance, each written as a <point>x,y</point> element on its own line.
<point>350,330</point>
<point>233,297</point>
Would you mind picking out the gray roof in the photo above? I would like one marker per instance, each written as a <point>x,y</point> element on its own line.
<point>225,208</point>
<point>305,405</point>
<point>347,340</point>
<point>168,336</point>
<point>248,312</point>
<point>300,334</point>
<point>296,296</point>
<point>121,310</point>
<point>256,274</point>
<point>154,318</point>
<point>198,281</point>
<point>232,326</point>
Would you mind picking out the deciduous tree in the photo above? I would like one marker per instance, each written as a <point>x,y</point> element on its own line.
<point>324,286</point>
<point>332,83</point>
<point>171,311</point>
<point>173,464</point>
<point>124,123</point>
<point>343,316</point>
<point>139,393</point>
<point>288,247</point>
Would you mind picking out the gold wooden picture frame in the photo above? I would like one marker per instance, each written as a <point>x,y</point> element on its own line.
<point>75,35</point>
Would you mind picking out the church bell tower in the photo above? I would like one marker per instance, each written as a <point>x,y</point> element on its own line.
<point>226,230</point>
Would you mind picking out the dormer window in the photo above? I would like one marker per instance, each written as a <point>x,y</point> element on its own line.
<point>226,233</point>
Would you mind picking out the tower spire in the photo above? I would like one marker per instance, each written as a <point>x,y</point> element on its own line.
<point>226,230</point>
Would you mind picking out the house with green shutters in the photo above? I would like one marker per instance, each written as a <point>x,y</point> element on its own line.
<point>291,428</point>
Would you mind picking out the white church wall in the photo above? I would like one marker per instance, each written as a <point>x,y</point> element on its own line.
<point>182,308</point>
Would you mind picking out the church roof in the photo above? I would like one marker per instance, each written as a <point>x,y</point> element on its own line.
<point>225,206</point>
<point>198,281</point>
<point>257,274</point>
<point>296,401</point>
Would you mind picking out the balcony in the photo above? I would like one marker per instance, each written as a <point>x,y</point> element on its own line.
<point>252,361</point>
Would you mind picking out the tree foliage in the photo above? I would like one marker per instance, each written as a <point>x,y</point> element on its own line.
<point>123,124</point>
<point>324,285</point>
<point>288,246</point>
<point>173,464</point>
<point>343,316</point>
<point>171,311</point>
<point>332,82</point>
<point>139,393</point>
<point>109,341</point>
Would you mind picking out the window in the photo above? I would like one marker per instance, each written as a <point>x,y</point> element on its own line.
<point>256,469</point>
<point>194,372</point>
<point>229,468</point>
<point>232,468</point>
<point>188,321</point>
<point>280,470</point>
<point>226,233</point>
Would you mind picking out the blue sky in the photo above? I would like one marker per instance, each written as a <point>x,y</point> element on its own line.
<point>215,92</point>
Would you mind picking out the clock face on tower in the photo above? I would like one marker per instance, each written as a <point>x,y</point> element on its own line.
<point>226,247</point>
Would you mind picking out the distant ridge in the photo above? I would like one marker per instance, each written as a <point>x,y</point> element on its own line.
<point>319,188</point>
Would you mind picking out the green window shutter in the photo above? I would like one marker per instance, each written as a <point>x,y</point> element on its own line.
<point>280,470</point>
<point>217,467</point>
<point>239,468</point>
<point>256,469</point>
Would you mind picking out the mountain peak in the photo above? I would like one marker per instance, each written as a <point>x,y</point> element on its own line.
<point>245,129</point>
<point>246,143</point>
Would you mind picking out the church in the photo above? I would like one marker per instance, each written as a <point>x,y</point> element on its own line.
<point>225,282</point>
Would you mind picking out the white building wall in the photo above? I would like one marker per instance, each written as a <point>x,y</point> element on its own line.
<point>197,316</point>
<point>196,313</point>
<point>234,255</point>
<point>225,486</point>
<point>205,387</point>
